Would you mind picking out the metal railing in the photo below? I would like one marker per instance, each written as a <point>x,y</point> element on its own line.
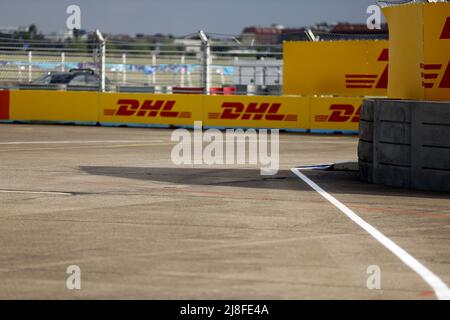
<point>148,67</point>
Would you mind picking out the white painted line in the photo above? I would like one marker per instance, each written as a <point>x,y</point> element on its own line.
<point>440,288</point>
<point>79,142</point>
<point>36,192</point>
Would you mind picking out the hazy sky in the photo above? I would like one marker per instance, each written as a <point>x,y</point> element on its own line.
<point>179,17</point>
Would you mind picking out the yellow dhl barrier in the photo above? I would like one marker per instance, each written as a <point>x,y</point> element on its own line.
<point>257,112</point>
<point>335,114</point>
<point>419,62</point>
<point>318,114</point>
<point>347,68</point>
<point>62,106</point>
<point>150,109</point>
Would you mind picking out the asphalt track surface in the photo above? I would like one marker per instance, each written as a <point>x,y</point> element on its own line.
<point>111,201</point>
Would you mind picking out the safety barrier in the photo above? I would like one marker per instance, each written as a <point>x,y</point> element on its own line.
<point>149,109</point>
<point>346,68</point>
<point>296,113</point>
<point>335,114</point>
<point>419,62</point>
<point>58,106</point>
<point>257,112</point>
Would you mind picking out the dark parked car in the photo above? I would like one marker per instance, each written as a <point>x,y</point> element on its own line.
<point>82,78</point>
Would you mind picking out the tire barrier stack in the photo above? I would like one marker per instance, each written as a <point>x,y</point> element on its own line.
<point>405,143</point>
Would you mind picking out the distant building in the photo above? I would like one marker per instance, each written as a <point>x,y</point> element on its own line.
<point>67,35</point>
<point>120,37</point>
<point>343,30</point>
<point>352,28</point>
<point>293,34</point>
<point>262,35</point>
<point>190,45</point>
<point>12,30</point>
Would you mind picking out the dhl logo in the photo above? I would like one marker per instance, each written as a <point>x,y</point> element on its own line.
<point>368,81</point>
<point>149,108</point>
<point>340,113</point>
<point>430,72</point>
<point>253,111</point>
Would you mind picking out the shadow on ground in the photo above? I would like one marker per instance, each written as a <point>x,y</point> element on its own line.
<point>332,181</point>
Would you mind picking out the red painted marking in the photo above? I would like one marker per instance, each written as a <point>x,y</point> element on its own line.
<point>185,115</point>
<point>230,107</point>
<point>358,86</point>
<point>321,118</point>
<point>384,56</point>
<point>374,76</point>
<point>445,82</point>
<point>128,107</point>
<point>429,75</point>
<point>213,115</point>
<point>360,81</point>
<point>431,66</point>
<point>272,113</point>
<point>446,31</point>
<point>383,82</point>
<point>291,117</point>
<point>167,110</point>
<point>109,112</point>
<point>341,112</point>
<point>427,85</point>
<point>4,105</point>
<point>150,108</point>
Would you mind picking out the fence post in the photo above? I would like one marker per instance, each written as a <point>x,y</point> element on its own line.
<point>240,75</point>
<point>102,60</point>
<point>154,68</point>
<point>19,73</point>
<point>279,75</point>
<point>63,61</point>
<point>183,71</point>
<point>124,70</point>
<point>235,62</point>
<point>264,75</point>
<point>30,66</point>
<point>206,74</point>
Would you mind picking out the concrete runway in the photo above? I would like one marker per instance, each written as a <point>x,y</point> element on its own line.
<point>110,201</point>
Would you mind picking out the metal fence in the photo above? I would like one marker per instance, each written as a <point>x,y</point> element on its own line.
<point>144,67</point>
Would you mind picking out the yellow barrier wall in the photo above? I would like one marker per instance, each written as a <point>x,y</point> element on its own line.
<point>153,109</point>
<point>257,112</point>
<point>38,105</point>
<point>419,51</point>
<point>335,114</point>
<point>320,114</point>
<point>348,68</point>
<point>436,19</point>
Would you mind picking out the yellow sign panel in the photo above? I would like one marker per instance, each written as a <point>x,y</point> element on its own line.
<point>335,114</point>
<point>292,113</point>
<point>151,109</point>
<point>435,68</point>
<point>347,68</point>
<point>40,105</point>
<point>256,112</point>
<point>419,51</point>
